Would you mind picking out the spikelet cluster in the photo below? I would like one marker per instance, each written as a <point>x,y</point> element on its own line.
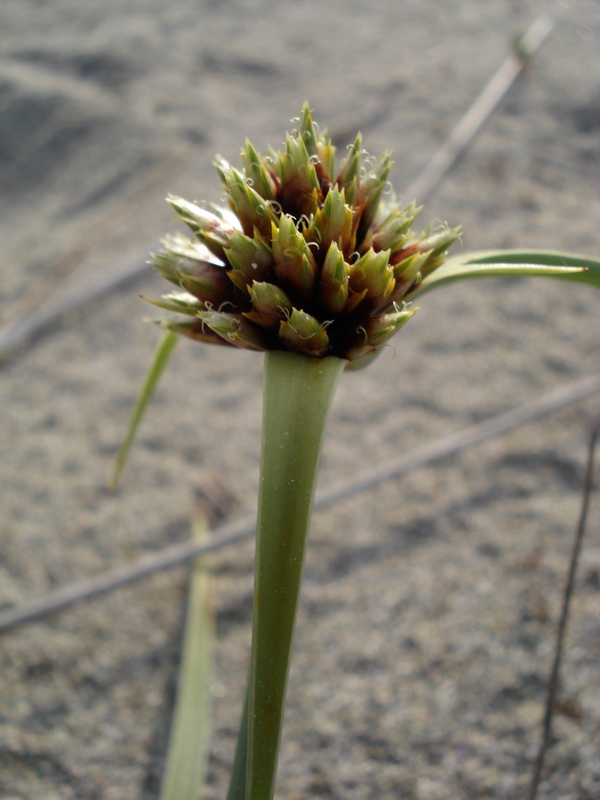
<point>307,258</point>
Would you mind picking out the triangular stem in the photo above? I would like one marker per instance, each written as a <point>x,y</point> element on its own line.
<point>298,392</point>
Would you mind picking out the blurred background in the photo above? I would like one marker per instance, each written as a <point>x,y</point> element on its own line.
<point>427,626</point>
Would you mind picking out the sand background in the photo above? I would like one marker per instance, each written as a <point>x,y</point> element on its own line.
<point>429,606</point>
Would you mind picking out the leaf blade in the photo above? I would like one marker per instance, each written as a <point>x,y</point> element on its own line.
<point>157,365</point>
<point>189,740</point>
<point>498,263</point>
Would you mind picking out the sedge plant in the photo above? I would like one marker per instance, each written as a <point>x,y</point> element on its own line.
<point>318,266</point>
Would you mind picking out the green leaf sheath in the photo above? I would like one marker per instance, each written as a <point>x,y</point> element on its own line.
<point>298,392</point>
<point>189,741</point>
<point>489,263</point>
<point>157,365</point>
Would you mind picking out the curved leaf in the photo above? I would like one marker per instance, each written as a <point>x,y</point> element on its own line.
<point>498,263</point>
<point>157,365</point>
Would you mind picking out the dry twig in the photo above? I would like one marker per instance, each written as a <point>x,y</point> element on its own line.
<point>553,686</point>
<point>475,117</point>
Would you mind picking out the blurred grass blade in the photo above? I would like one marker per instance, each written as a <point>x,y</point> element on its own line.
<point>489,263</point>
<point>157,365</point>
<point>189,740</point>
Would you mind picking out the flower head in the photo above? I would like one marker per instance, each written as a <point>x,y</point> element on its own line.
<point>307,258</point>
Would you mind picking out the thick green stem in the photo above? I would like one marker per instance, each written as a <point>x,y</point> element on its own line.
<point>297,397</point>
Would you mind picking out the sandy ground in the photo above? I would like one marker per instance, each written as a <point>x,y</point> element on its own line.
<point>429,606</point>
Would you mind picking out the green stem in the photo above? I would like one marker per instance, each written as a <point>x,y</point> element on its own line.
<point>298,392</point>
